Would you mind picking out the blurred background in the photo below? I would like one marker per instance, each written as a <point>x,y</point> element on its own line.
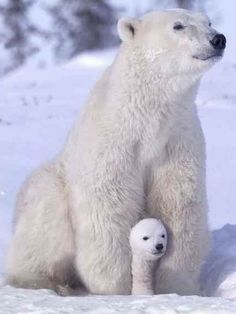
<point>65,28</point>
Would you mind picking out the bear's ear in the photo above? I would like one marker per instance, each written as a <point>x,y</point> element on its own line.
<point>127,28</point>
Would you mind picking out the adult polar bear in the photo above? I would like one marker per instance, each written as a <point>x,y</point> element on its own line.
<point>138,148</point>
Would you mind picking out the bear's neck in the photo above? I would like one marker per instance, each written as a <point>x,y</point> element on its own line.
<point>143,85</point>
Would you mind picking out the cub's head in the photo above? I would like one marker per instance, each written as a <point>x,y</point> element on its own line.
<point>148,239</point>
<point>174,41</point>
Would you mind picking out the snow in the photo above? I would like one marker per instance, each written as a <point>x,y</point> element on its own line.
<point>45,302</point>
<point>38,106</point>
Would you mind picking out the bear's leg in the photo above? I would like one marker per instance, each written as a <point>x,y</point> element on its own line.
<point>177,196</point>
<point>102,227</point>
<point>41,253</point>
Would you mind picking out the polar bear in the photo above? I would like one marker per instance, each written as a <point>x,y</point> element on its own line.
<point>148,242</point>
<point>137,149</point>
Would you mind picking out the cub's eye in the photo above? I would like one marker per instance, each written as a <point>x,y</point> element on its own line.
<point>145,238</point>
<point>178,27</point>
<point>210,24</point>
<point>163,236</point>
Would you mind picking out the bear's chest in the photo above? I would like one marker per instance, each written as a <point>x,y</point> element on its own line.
<point>153,145</point>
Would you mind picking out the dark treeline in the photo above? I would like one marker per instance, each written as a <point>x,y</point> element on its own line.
<point>75,26</point>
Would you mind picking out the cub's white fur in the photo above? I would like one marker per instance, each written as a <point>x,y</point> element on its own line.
<point>148,240</point>
<point>138,147</point>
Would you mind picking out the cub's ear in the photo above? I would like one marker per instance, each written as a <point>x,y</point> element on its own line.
<point>127,28</point>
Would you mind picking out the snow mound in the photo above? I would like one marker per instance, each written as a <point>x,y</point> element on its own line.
<point>219,274</point>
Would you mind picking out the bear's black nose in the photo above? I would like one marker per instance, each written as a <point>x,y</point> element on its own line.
<point>218,41</point>
<point>159,246</point>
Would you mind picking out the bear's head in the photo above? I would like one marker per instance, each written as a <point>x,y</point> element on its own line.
<point>148,239</point>
<point>173,42</point>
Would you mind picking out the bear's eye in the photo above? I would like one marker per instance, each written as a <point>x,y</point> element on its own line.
<point>178,27</point>
<point>210,24</point>
<point>145,238</point>
<point>163,236</point>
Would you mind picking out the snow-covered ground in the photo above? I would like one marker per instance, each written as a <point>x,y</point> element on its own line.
<point>46,302</point>
<point>37,107</point>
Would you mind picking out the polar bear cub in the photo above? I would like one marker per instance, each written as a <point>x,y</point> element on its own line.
<point>148,241</point>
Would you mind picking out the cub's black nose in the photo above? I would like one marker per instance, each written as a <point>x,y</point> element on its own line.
<point>218,41</point>
<point>159,246</point>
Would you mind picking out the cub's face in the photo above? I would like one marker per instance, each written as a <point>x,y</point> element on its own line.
<point>148,238</point>
<point>174,41</point>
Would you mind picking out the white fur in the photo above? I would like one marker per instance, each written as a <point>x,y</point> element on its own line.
<point>138,147</point>
<point>145,237</point>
